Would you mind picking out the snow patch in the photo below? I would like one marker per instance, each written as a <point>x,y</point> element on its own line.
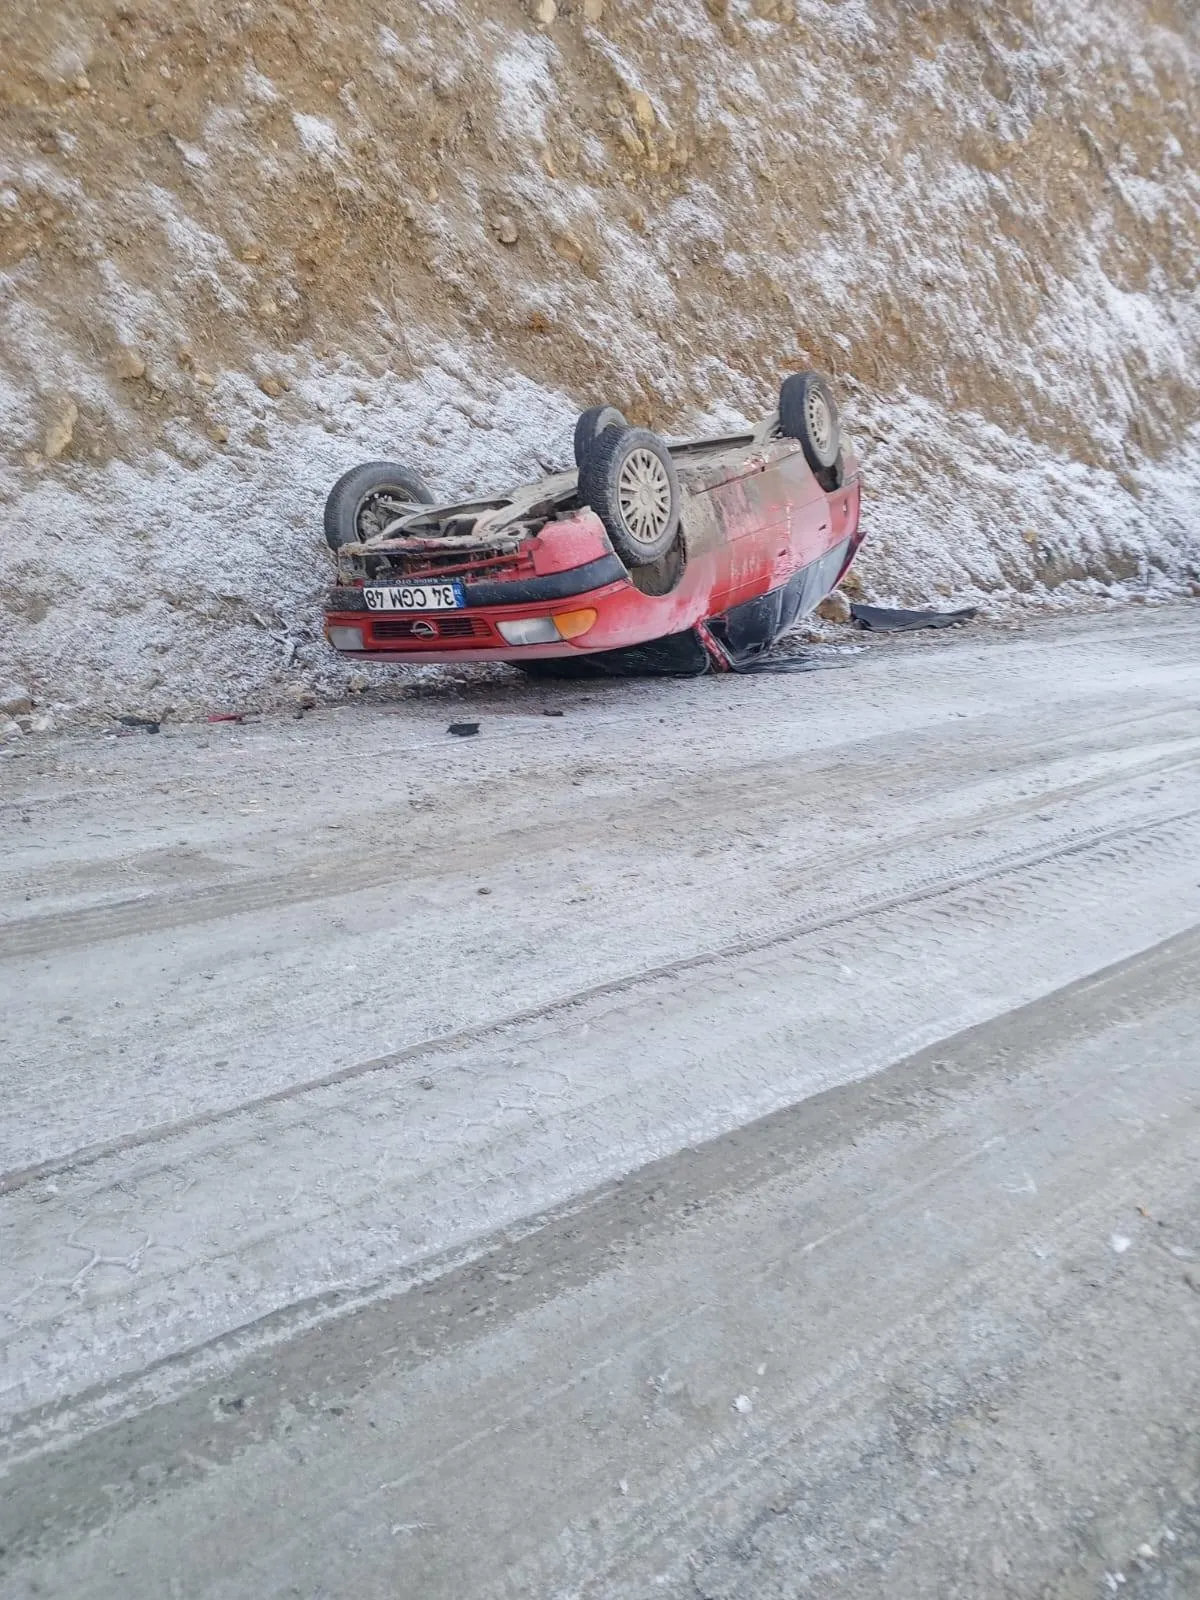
<point>259,88</point>
<point>527,89</point>
<point>317,136</point>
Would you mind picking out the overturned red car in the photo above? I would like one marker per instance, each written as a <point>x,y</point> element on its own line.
<point>652,557</point>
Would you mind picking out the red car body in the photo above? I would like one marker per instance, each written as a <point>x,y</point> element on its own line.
<point>761,543</point>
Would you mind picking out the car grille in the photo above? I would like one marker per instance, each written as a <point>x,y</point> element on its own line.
<point>418,628</point>
<point>512,564</point>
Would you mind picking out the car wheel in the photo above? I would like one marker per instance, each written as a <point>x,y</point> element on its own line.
<point>808,412</point>
<point>364,500</point>
<point>629,480</point>
<point>592,423</point>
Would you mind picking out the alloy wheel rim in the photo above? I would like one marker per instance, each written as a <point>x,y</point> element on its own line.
<point>644,496</point>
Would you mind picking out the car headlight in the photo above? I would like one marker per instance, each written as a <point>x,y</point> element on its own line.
<point>529,630</point>
<point>547,630</point>
<point>345,638</point>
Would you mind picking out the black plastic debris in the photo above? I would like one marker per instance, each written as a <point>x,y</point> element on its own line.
<point>146,724</point>
<point>797,663</point>
<point>882,619</point>
<point>464,730</point>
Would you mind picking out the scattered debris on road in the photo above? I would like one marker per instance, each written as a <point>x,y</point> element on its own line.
<point>885,619</point>
<point>802,661</point>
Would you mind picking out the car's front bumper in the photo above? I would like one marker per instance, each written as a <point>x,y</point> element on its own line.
<point>598,574</point>
<point>472,633</point>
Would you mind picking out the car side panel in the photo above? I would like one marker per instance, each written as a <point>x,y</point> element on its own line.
<point>754,520</point>
<point>776,519</point>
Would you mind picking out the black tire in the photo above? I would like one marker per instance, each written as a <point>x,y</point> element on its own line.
<point>352,494</point>
<point>592,423</point>
<point>808,412</point>
<point>833,477</point>
<point>629,480</point>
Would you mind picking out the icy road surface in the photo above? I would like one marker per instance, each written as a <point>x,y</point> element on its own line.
<point>737,1138</point>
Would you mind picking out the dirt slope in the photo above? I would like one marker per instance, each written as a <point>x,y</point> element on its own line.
<point>242,247</point>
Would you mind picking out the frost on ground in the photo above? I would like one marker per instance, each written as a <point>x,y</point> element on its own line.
<point>242,250</point>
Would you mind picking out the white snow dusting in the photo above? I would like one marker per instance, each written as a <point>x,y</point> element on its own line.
<point>317,136</point>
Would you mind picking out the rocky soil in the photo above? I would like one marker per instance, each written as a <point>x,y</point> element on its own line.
<point>244,246</point>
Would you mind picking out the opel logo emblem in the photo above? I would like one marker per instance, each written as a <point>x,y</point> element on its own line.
<point>424,630</point>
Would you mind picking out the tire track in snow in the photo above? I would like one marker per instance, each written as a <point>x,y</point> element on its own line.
<point>52,932</point>
<point>926,887</point>
<point>294,1189</point>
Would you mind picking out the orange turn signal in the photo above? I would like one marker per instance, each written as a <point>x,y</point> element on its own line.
<point>571,624</point>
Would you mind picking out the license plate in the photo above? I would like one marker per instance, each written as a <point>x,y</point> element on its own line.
<point>413,596</point>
